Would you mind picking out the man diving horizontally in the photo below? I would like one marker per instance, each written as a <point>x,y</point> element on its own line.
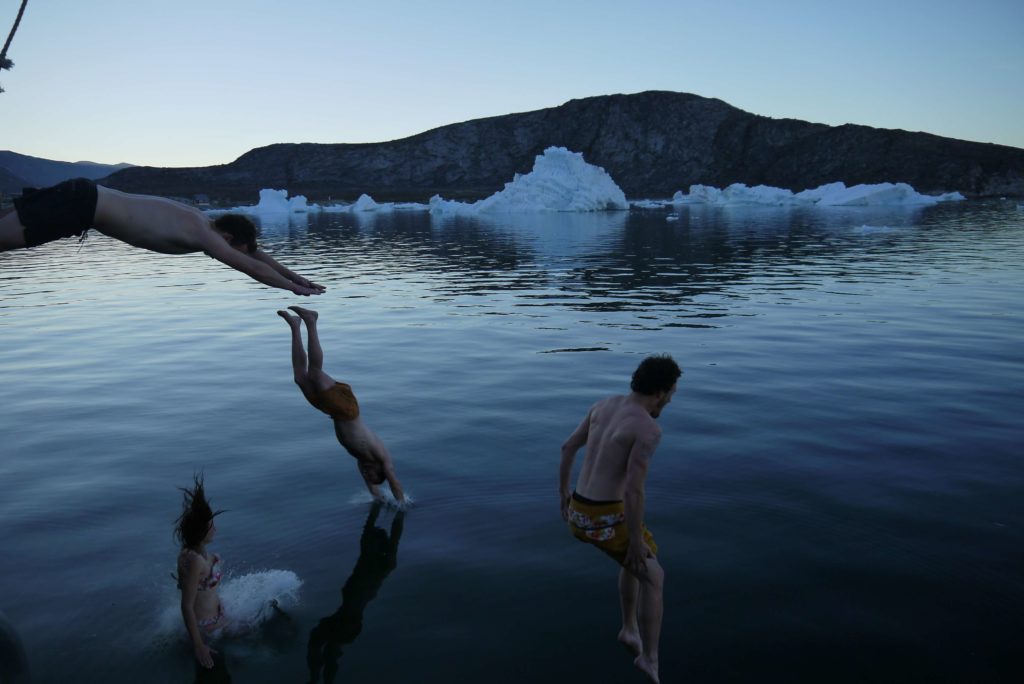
<point>153,223</point>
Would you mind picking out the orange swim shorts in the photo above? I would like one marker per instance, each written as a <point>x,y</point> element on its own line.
<point>338,402</point>
<point>603,524</point>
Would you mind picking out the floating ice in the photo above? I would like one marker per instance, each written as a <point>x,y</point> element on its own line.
<point>647,204</point>
<point>560,181</point>
<point>277,201</point>
<point>828,195</point>
<point>878,194</point>
<point>273,203</point>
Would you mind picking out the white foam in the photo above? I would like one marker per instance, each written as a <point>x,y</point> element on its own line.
<point>363,497</point>
<point>560,181</point>
<point>828,195</point>
<point>247,601</point>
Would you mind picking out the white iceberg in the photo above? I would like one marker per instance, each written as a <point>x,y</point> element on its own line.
<point>828,195</point>
<point>273,203</point>
<point>560,181</point>
<point>873,195</point>
<point>277,201</point>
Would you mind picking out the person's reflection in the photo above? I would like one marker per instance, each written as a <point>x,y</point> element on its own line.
<point>378,556</point>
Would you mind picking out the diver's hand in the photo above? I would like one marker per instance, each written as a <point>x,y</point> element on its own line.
<point>565,505</point>
<point>204,654</point>
<point>636,557</point>
<point>305,282</point>
<point>306,291</point>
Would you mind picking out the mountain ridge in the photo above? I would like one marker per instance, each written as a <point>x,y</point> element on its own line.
<point>23,170</point>
<point>651,143</point>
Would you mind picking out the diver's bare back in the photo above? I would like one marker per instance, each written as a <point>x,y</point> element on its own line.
<point>616,423</point>
<point>153,223</point>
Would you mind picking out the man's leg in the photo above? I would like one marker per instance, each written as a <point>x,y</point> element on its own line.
<point>298,353</point>
<point>12,233</point>
<point>629,635</point>
<point>315,372</point>
<point>651,591</point>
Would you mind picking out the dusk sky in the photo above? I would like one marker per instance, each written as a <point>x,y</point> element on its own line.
<point>198,83</point>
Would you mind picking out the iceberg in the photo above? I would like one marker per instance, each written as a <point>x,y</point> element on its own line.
<point>272,203</point>
<point>560,181</point>
<point>277,201</point>
<point>828,195</point>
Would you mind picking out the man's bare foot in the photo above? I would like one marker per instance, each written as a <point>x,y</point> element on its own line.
<point>291,320</point>
<point>305,314</point>
<point>631,640</point>
<point>648,667</point>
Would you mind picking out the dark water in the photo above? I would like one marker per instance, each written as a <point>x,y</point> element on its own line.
<point>836,496</point>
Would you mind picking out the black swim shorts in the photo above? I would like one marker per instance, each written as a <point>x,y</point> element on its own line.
<point>56,212</point>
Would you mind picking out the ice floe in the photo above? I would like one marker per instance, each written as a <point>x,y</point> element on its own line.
<point>278,202</point>
<point>560,181</point>
<point>828,195</point>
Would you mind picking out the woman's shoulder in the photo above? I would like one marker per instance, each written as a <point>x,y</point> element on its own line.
<point>187,557</point>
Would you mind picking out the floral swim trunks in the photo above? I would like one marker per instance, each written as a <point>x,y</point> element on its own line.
<point>603,524</point>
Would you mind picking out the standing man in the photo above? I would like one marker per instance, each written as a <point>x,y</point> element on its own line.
<point>153,223</point>
<point>606,508</point>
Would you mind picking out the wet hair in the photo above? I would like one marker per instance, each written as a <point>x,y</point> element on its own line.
<point>655,374</point>
<point>193,524</point>
<point>241,230</point>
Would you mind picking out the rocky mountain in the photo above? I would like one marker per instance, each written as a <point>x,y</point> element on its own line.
<point>652,144</point>
<point>23,170</point>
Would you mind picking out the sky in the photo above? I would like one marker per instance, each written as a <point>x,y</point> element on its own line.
<point>191,83</point>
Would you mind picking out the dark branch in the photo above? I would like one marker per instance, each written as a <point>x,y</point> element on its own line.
<point>4,62</point>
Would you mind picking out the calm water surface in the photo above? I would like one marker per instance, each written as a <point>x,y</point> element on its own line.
<point>836,496</point>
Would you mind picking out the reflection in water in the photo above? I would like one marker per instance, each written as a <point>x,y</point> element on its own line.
<point>13,663</point>
<point>692,271</point>
<point>378,556</point>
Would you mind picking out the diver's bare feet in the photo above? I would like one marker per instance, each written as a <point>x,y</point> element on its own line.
<point>305,314</point>
<point>648,667</point>
<point>631,640</point>
<point>291,320</point>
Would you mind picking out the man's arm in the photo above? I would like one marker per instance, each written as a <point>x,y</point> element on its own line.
<point>260,255</point>
<point>636,474</point>
<point>576,440</point>
<point>218,248</point>
<point>391,477</point>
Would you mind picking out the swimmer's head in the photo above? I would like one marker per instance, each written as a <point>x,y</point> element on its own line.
<point>195,524</point>
<point>239,231</point>
<point>372,471</point>
<point>656,376</point>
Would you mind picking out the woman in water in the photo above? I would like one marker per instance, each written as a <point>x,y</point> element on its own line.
<point>198,575</point>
